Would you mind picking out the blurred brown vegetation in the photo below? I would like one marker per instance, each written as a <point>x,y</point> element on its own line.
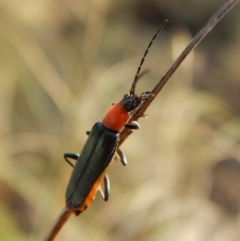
<point>62,65</point>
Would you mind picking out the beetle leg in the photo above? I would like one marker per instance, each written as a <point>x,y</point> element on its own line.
<point>106,192</point>
<point>122,157</point>
<point>70,155</point>
<point>133,125</point>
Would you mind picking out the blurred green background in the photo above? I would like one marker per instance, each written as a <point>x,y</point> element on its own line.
<point>63,63</point>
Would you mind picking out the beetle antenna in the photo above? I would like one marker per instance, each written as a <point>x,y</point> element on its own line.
<point>136,78</point>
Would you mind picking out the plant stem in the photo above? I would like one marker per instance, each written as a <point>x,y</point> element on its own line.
<point>63,217</point>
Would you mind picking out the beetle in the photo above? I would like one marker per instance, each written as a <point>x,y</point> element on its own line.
<point>101,147</point>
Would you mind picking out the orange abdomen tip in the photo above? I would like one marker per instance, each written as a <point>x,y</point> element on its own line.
<point>116,118</point>
<point>87,202</point>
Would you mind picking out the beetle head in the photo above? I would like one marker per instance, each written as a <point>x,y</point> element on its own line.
<point>132,102</point>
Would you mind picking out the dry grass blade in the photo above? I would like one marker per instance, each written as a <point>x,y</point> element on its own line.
<point>195,41</point>
<point>63,217</point>
<point>126,132</point>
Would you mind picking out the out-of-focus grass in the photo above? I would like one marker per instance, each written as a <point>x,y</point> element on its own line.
<point>63,64</point>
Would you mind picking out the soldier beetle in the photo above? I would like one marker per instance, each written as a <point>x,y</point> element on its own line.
<point>101,146</point>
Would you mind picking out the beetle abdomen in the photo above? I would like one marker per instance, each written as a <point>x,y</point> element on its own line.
<point>96,155</point>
